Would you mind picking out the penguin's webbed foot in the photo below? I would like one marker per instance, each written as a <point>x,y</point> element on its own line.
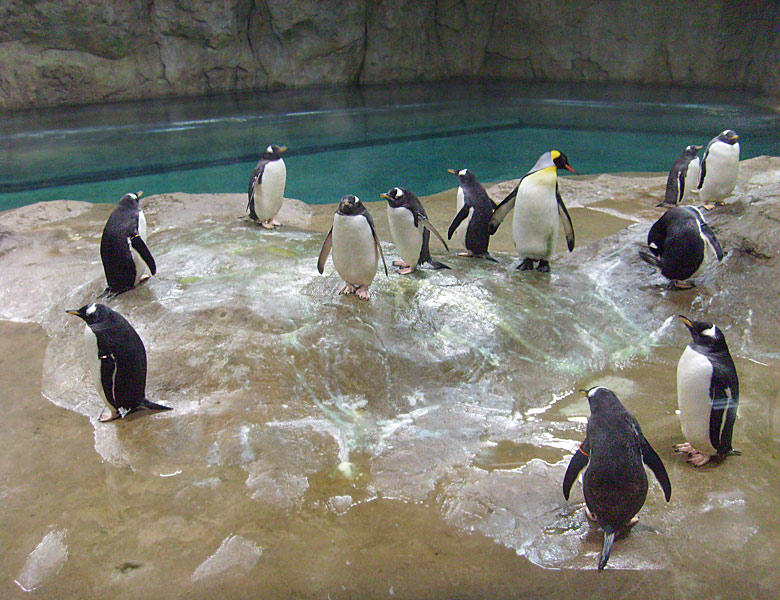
<point>526,265</point>
<point>268,224</point>
<point>362,292</point>
<point>108,415</point>
<point>467,254</point>
<point>544,266</point>
<point>697,459</point>
<point>590,515</point>
<point>681,285</point>
<point>407,270</point>
<point>347,289</point>
<point>401,263</point>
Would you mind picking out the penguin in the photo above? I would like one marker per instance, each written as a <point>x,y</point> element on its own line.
<point>123,248</point>
<point>683,177</point>
<point>681,244</point>
<point>474,209</point>
<point>707,394</point>
<point>410,228</point>
<point>356,248</point>
<point>266,187</point>
<point>117,361</point>
<point>539,210</point>
<point>615,483</point>
<point>719,168</point>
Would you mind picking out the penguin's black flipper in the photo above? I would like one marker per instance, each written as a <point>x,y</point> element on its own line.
<point>107,374</point>
<point>609,539</point>
<point>429,227</point>
<point>502,210</point>
<point>710,235</point>
<point>425,253</point>
<point>370,220</point>
<point>672,195</point>
<point>563,214</point>
<point>325,251</point>
<point>462,214</point>
<point>577,463</point>
<point>652,460</point>
<point>140,246</point>
<point>724,395</point>
<point>257,177</point>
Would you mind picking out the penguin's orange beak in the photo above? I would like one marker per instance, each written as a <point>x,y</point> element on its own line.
<point>584,393</point>
<point>698,147</point>
<point>568,167</point>
<point>385,196</point>
<point>453,171</point>
<point>686,321</point>
<point>283,149</point>
<point>73,312</point>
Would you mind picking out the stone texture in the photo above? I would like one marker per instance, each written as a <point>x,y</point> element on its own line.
<point>68,51</point>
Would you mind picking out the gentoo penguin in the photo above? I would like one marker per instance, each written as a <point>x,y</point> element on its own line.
<point>539,210</point>
<point>117,361</point>
<point>266,187</point>
<point>719,168</point>
<point>707,394</point>
<point>123,248</point>
<point>681,243</point>
<point>410,228</point>
<point>683,177</point>
<point>356,249</point>
<point>474,209</point>
<point>615,483</point>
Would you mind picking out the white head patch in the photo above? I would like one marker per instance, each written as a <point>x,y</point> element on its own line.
<point>91,309</point>
<point>710,332</point>
<point>463,172</point>
<point>398,192</point>
<point>269,150</point>
<point>593,390</point>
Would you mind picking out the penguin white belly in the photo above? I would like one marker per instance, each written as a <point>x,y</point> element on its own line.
<point>721,173</point>
<point>354,253</point>
<point>269,193</point>
<point>691,179</point>
<point>694,372</point>
<point>460,232</point>
<point>140,265</point>
<point>406,237</point>
<point>91,347</point>
<point>535,224</point>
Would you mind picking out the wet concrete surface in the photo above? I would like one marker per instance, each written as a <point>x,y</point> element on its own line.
<point>413,446</point>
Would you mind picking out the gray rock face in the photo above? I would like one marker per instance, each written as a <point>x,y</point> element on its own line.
<point>88,51</point>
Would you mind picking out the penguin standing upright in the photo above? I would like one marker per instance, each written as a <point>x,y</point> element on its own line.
<point>474,209</point>
<point>117,361</point>
<point>539,210</point>
<point>123,248</point>
<point>681,244</point>
<point>356,248</point>
<point>615,483</point>
<point>719,168</point>
<point>707,394</point>
<point>410,228</point>
<point>683,177</point>
<point>266,187</point>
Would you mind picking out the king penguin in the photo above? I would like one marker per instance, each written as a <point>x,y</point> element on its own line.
<point>707,394</point>
<point>356,248</point>
<point>539,210</point>
<point>474,209</point>
<point>719,168</point>
<point>411,230</point>
<point>266,187</point>
<point>117,361</point>
<point>615,483</point>
<point>683,177</point>
<point>681,244</point>
<point>123,248</point>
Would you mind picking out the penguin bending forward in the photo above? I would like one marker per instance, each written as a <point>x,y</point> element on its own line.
<point>117,361</point>
<point>356,248</point>
<point>707,394</point>
<point>681,244</point>
<point>123,248</point>
<point>719,168</point>
<point>683,177</point>
<point>474,209</point>
<point>266,187</point>
<point>615,483</point>
<point>539,211</point>
<point>411,230</point>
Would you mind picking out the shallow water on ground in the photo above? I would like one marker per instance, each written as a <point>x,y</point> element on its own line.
<point>412,446</point>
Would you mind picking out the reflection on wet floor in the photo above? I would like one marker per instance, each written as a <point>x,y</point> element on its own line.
<point>412,446</point>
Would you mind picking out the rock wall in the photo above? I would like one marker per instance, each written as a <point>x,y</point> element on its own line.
<point>74,51</point>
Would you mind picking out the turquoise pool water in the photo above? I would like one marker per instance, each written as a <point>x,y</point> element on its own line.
<point>362,140</point>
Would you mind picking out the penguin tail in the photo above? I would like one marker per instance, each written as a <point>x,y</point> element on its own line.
<point>149,405</point>
<point>609,538</point>
<point>436,264</point>
<point>650,258</point>
<point>107,294</point>
<point>487,256</point>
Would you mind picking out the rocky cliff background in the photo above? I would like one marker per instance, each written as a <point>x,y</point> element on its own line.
<point>75,51</point>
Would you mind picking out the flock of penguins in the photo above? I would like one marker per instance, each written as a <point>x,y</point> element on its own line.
<point>614,450</point>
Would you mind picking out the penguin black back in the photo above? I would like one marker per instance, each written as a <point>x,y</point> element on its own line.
<point>677,183</point>
<point>479,205</point>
